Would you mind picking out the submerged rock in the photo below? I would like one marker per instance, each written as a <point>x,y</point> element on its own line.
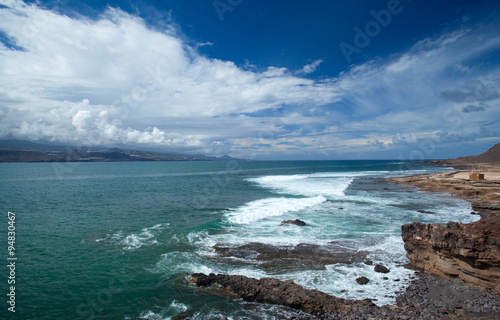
<point>426,212</point>
<point>296,222</point>
<point>303,256</point>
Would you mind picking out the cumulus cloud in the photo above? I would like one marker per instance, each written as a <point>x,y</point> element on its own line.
<point>69,78</point>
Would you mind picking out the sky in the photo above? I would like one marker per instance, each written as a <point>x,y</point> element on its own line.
<point>254,79</point>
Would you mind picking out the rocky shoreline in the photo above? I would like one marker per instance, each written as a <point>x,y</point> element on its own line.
<point>471,251</point>
<point>458,264</point>
<point>428,297</point>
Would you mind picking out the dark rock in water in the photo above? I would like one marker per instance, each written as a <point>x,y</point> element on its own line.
<point>368,262</point>
<point>426,212</point>
<point>303,256</point>
<point>286,293</point>
<point>380,268</point>
<point>296,222</point>
<point>362,280</point>
<point>341,208</point>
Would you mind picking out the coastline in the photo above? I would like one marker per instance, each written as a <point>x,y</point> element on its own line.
<point>431,295</point>
<point>484,195</point>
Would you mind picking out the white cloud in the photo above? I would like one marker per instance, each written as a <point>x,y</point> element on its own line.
<point>310,68</point>
<point>120,66</point>
<point>114,80</point>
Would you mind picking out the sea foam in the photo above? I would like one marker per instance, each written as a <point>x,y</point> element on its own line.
<point>271,207</point>
<point>331,185</point>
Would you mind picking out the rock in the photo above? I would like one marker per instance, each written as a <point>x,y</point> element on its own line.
<point>381,269</point>
<point>470,252</point>
<point>362,280</point>
<point>296,222</point>
<point>368,262</point>
<point>426,212</point>
<point>303,256</point>
<point>286,293</point>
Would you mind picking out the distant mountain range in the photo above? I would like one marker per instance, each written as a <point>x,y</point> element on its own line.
<point>27,151</point>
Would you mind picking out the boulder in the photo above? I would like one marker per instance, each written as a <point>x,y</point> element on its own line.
<point>362,280</point>
<point>381,269</point>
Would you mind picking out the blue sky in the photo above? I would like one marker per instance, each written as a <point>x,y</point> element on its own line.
<point>390,79</point>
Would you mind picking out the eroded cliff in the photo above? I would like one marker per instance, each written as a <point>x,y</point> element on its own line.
<point>470,252</point>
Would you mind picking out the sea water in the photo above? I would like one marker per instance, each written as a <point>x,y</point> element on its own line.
<point>118,240</point>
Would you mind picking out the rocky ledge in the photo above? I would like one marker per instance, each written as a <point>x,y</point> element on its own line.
<point>285,293</point>
<point>470,252</point>
<point>428,297</point>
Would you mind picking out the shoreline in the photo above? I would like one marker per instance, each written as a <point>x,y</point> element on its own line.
<point>484,195</point>
<point>429,296</point>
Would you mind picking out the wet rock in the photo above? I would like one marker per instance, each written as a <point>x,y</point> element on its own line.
<point>368,262</point>
<point>286,293</point>
<point>302,256</point>
<point>427,297</point>
<point>426,212</point>
<point>381,269</point>
<point>362,280</point>
<point>296,222</point>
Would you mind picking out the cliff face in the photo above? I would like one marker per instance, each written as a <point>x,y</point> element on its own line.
<point>470,252</point>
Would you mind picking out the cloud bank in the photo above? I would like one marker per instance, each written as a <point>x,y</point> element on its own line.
<point>115,81</point>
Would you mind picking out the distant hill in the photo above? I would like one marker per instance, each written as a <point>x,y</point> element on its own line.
<point>489,158</point>
<point>492,156</point>
<point>26,151</point>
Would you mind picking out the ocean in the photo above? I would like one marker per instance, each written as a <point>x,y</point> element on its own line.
<point>118,240</point>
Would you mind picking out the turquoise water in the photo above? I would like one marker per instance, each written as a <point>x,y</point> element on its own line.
<point>117,240</point>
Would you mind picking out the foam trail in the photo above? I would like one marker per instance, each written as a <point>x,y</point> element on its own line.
<point>271,207</point>
<point>324,184</point>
